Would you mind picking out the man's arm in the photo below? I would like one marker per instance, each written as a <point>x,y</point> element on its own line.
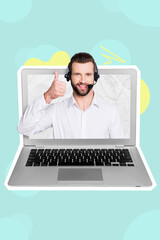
<point>38,116</point>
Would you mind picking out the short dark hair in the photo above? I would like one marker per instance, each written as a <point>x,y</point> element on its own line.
<point>81,57</point>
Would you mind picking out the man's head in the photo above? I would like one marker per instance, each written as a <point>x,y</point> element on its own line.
<point>81,73</point>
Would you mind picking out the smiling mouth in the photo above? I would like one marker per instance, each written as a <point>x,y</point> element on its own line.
<point>82,86</point>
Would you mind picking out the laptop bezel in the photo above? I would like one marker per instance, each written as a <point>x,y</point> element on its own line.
<point>23,93</point>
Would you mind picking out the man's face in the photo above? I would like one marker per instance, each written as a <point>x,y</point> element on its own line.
<point>82,75</point>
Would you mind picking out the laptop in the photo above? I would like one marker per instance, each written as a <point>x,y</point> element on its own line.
<point>43,162</point>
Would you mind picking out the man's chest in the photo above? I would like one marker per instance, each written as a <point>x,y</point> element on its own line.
<point>92,122</point>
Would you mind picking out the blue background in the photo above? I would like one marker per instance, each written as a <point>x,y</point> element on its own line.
<point>130,29</point>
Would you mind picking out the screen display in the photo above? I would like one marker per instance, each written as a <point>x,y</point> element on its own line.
<point>108,117</point>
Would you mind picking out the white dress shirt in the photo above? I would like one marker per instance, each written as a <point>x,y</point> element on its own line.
<point>100,120</point>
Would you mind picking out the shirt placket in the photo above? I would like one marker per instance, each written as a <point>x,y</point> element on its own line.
<point>83,123</point>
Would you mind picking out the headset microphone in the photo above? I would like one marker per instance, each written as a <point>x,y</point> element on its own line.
<point>90,86</point>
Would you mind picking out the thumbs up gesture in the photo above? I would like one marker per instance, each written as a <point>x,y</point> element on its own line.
<point>57,89</point>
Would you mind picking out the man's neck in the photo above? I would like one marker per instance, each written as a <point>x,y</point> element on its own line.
<point>84,101</point>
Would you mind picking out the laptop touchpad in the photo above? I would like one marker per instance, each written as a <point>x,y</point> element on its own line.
<point>80,174</point>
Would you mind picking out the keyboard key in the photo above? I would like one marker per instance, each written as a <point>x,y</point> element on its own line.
<point>122,164</point>
<point>107,164</point>
<point>36,164</point>
<point>29,164</point>
<point>44,164</point>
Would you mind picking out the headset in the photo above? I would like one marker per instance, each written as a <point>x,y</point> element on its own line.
<point>68,74</point>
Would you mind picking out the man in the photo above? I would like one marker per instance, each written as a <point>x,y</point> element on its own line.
<point>83,115</point>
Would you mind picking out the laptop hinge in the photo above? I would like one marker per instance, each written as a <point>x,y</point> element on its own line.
<point>34,146</point>
<point>119,146</point>
<point>25,145</point>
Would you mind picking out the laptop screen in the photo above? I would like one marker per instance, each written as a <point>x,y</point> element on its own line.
<point>110,118</point>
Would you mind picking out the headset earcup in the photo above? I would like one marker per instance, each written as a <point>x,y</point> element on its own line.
<point>96,76</point>
<point>67,76</point>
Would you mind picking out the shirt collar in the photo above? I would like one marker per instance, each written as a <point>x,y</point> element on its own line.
<point>73,101</point>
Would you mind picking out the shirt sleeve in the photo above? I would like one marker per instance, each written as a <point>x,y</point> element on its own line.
<point>116,129</point>
<point>37,117</point>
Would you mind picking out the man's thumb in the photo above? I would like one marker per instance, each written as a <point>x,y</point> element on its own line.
<point>56,75</point>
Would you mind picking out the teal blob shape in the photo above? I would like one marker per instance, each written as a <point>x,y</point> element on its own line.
<point>21,56</point>
<point>16,227</point>
<point>145,226</point>
<point>111,6</point>
<point>14,11</point>
<point>146,13</point>
<point>114,46</point>
<point>42,52</point>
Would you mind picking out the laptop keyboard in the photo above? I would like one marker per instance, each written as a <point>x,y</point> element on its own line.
<point>79,157</point>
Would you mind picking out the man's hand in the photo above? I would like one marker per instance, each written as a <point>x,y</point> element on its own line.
<point>57,89</point>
